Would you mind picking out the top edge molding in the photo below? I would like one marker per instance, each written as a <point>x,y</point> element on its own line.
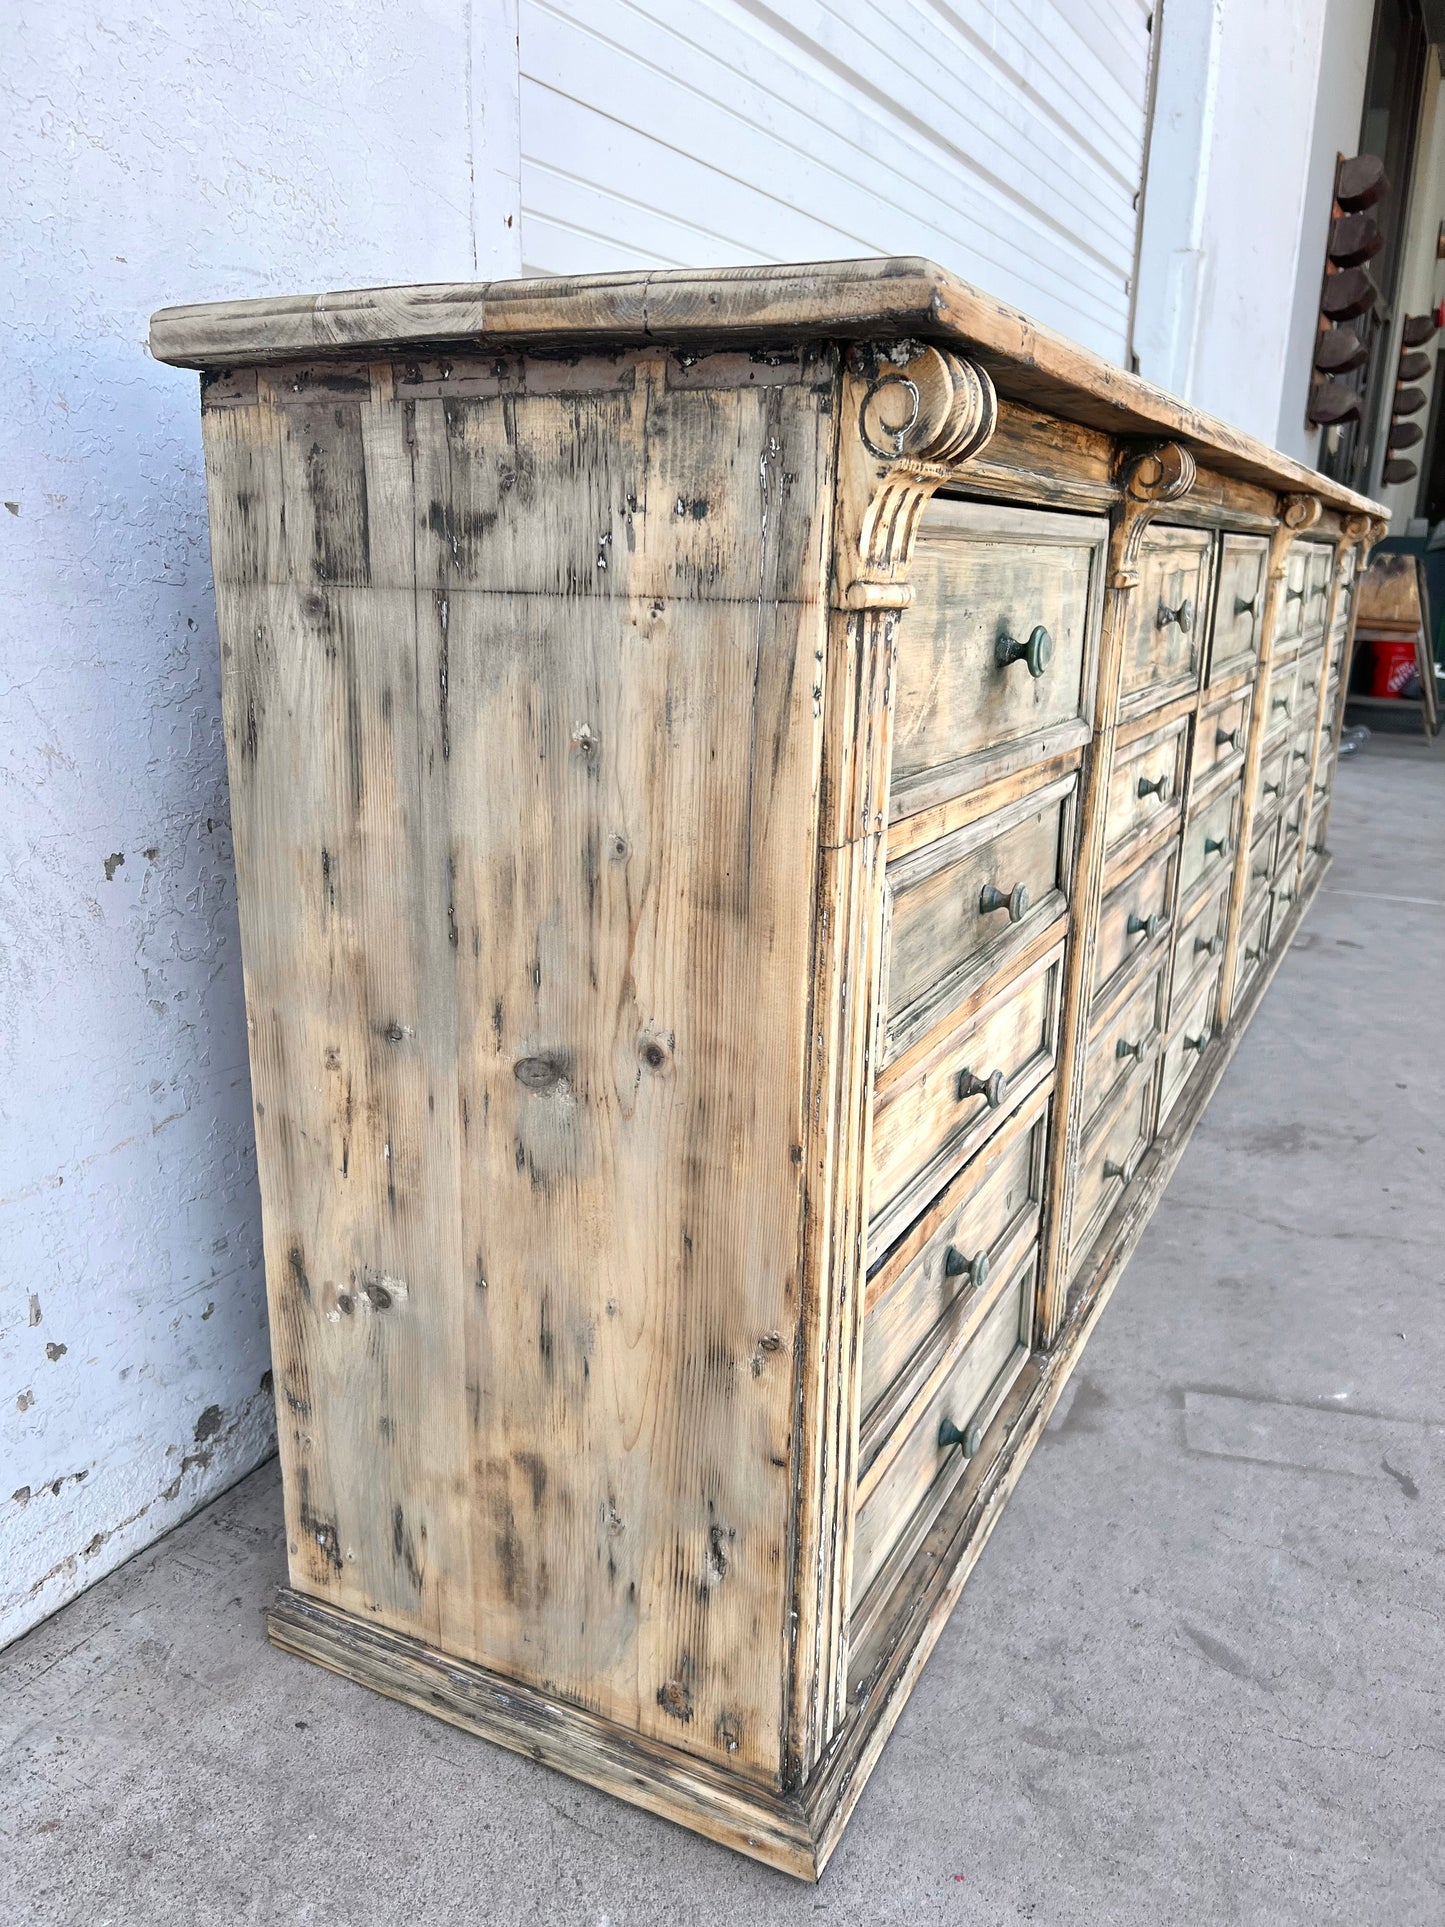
<point>878,299</point>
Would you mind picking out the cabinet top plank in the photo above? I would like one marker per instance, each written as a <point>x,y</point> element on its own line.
<point>843,300</point>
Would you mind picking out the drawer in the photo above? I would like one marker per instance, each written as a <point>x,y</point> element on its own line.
<point>1108,1158</point>
<point>931,1121</point>
<point>1290,829</point>
<point>1271,778</point>
<point>1261,854</point>
<point>1335,649</point>
<point>1146,786</point>
<point>1219,739</point>
<point>1238,604</point>
<point>926,1285</point>
<point>1290,621</point>
<point>901,1490</point>
<point>1197,950</point>
<point>1281,906</point>
<point>1209,843</point>
<point>1253,944</point>
<point>1279,703</point>
<point>1324,779</point>
<point>1318,569</point>
<point>1122,1046</point>
<point>958,907</point>
<point>1308,678</point>
<point>1133,917</point>
<point>985,579</point>
<point>1166,625</point>
<point>1297,759</point>
<point>1186,1049</point>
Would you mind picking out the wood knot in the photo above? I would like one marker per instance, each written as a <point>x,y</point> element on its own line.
<point>547,1071</point>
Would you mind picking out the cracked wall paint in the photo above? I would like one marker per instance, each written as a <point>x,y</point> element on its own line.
<point>239,148</point>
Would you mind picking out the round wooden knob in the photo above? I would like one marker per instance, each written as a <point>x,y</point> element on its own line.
<point>1229,738</point>
<point>1148,927</point>
<point>1183,615</point>
<point>1197,1043</point>
<point>1153,786</point>
<point>1015,901</point>
<point>991,1088</point>
<point>968,1440</point>
<point>1037,653</point>
<point>956,1264</point>
<point>1125,1049</point>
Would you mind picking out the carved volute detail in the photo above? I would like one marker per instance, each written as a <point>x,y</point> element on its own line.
<point>919,413</point>
<point>1151,475</point>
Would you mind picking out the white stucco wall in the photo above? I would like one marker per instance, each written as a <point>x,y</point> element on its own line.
<point>1254,98</point>
<point>153,155</point>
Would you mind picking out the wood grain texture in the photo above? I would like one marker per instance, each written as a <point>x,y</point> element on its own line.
<point>622,764</point>
<point>884,298</point>
<point>550,1431</point>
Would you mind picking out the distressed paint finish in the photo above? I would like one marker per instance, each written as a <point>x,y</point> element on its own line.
<point>520,708</point>
<point>606,989</point>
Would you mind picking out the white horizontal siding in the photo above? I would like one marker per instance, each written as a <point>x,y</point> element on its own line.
<point>1003,138</point>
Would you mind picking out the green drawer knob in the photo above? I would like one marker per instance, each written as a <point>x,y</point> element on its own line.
<point>1281,702</point>
<point>1113,1169</point>
<point>1125,1049</point>
<point>1208,946</point>
<point>992,1088</point>
<point>1284,896</point>
<point>1037,653</point>
<point>969,1441</point>
<point>1147,927</point>
<point>1301,755</point>
<point>1216,845</point>
<point>1015,901</point>
<point>1157,786</point>
<point>1197,1043</point>
<point>1253,956</point>
<point>1183,615</point>
<point>1271,789</point>
<point>1249,608</point>
<point>957,1265</point>
<point>1229,738</point>
<point>1295,595</point>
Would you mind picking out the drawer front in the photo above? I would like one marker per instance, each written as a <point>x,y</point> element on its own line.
<point>1123,1046</point>
<point>1318,570</point>
<point>1238,604</point>
<point>1310,675</point>
<point>1146,785</point>
<point>1335,650</point>
<point>981,579</point>
<point>1220,738</point>
<point>1209,843</point>
<point>1198,950</point>
<point>1261,855</point>
<point>1186,1049</point>
<point>1253,944</point>
<point>931,1122</point>
<point>1290,621</point>
<point>1272,772</point>
<point>1166,626</point>
<point>917,1470</point>
<point>923,1293</point>
<point>1281,907</point>
<point>1108,1158</point>
<point>1134,917</point>
<point>1297,760</point>
<point>1280,702</point>
<point>958,907</point>
<point>1324,781</point>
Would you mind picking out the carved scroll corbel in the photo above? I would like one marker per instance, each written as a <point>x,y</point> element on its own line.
<point>1150,476</point>
<point>920,413</point>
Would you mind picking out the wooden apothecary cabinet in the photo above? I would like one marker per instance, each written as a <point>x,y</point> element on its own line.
<point>763,802</point>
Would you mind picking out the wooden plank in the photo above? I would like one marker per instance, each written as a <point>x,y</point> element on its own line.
<point>844,300</point>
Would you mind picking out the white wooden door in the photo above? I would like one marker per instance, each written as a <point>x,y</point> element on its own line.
<point>1004,139</point>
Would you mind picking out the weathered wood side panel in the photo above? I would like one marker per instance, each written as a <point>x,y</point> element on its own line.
<point>521,713</point>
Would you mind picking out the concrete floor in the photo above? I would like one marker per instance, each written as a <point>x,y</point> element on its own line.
<point>1196,1677</point>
